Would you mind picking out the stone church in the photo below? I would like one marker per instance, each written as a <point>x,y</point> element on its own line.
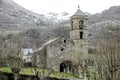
<point>63,55</point>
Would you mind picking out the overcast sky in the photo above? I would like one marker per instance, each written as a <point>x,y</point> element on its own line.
<point>70,6</point>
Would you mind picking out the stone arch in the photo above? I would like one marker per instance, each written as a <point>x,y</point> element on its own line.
<point>66,66</point>
<point>62,67</point>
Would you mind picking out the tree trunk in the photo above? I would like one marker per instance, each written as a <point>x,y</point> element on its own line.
<point>113,76</point>
<point>15,76</point>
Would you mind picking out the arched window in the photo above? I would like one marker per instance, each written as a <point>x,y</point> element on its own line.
<point>71,25</point>
<point>81,24</point>
<point>81,35</point>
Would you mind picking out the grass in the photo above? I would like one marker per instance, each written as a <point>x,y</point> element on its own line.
<point>63,75</point>
<point>6,69</point>
<point>30,71</point>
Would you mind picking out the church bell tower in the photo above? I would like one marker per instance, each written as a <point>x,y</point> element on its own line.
<point>79,31</point>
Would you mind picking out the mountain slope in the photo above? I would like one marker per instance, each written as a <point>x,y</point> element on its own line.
<point>113,13</point>
<point>13,15</point>
<point>108,22</point>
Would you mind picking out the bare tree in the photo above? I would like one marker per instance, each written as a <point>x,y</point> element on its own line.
<point>13,51</point>
<point>108,54</point>
<point>83,70</point>
<point>107,60</point>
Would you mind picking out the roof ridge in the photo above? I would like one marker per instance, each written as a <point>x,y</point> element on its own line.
<point>79,13</point>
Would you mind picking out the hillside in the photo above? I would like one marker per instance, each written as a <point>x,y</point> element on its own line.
<point>15,16</point>
<point>113,13</point>
<point>103,25</point>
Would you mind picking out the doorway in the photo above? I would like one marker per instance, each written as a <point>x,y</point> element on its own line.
<point>66,66</point>
<point>62,67</point>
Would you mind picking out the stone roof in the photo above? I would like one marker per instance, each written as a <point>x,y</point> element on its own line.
<point>79,13</point>
<point>39,49</point>
<point>50,41</point>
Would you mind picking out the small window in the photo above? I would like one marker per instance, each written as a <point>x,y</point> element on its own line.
<point>24,60</point>
<point>81,35</point>
<point>62,49</point>
<point>71,25</point>
<point>64,41</point>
